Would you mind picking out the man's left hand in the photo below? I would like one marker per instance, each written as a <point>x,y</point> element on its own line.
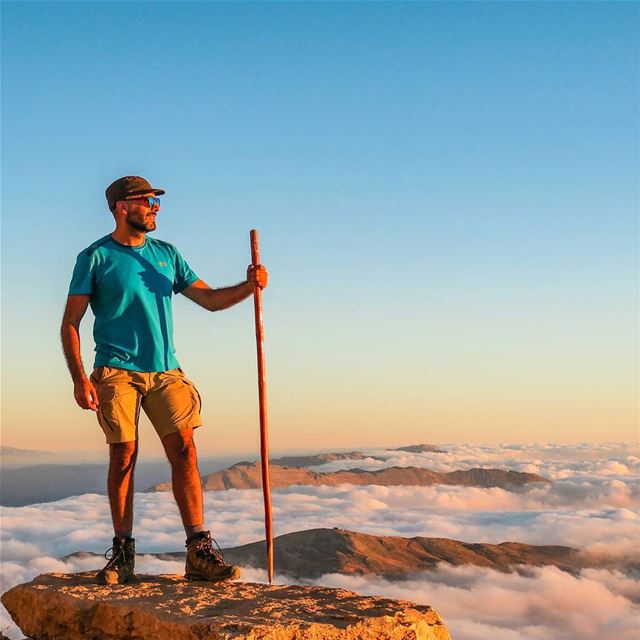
<point>257,275</point>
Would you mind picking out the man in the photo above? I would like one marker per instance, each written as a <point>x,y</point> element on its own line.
<point>128,279</point>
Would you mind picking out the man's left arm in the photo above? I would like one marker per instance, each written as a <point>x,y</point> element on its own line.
<point>224,297</point>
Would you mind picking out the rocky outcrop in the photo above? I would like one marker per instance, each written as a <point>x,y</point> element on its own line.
<point>245,475</point>
<point>72,607</point>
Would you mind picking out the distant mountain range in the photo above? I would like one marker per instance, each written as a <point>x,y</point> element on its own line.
<point>37,482</point>
<point>420,448</point>
<point>47,482</point>
<point>319,458</point>
<point>12,457</point>
<point>323,458</point>
<point>312,553</point>
<point>247,475</point>
<point>13,451</point>
<point>28,477</point>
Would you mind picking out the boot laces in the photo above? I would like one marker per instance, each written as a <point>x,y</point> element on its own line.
<point>206,550</point>
<point>116,558</point>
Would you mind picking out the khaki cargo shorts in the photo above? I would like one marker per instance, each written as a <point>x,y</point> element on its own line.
<point>170,400</point>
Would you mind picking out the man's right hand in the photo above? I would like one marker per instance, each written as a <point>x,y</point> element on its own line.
<point>85,394</point>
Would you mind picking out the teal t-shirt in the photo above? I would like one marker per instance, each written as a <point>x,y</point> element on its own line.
<point>130,291</point>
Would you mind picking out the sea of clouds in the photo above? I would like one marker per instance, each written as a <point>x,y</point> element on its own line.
<point>592,503</point>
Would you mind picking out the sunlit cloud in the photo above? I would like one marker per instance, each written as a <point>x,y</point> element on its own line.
<point>591,504</point>
<point>549,460</point>
<point>544,604</point>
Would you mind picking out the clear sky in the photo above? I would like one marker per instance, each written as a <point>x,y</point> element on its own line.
<point>446,195</point>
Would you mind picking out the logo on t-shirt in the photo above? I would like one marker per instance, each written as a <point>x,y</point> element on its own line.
<point>162,263</point>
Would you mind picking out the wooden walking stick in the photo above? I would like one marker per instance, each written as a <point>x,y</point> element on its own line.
<point>262,395</point>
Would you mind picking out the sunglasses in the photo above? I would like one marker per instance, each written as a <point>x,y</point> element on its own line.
<point>149,200</point>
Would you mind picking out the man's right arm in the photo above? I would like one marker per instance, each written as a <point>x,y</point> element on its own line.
<point>83,390</point>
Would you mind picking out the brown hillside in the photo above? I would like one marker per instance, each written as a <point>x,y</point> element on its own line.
<point>312,553</point>
<point>246,475</point>
<point>315,552</point>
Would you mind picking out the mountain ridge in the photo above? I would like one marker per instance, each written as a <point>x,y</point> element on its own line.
<point>309,554</point>
<point>244,475</point>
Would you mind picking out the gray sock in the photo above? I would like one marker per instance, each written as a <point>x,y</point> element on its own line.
<point>192,529</point>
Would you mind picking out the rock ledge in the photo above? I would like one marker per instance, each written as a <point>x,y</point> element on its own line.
<point>71,607</point>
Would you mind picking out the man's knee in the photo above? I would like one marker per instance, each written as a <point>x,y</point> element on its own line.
<point>180,447</point>
<point>122,456</point>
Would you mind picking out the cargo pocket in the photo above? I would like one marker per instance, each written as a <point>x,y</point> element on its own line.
<point>195,396</point>
<point>119,400</point>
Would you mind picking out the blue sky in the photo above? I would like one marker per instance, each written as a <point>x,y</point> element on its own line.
<point>447,197</point>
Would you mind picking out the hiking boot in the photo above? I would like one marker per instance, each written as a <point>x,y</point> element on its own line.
<point>206,563</point>
<point>121,565</point>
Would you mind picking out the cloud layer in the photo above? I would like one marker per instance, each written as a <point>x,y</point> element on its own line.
<point>544,604</point>
<point>593,503</point>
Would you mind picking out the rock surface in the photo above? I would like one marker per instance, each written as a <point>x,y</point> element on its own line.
<point>72,607</point>
<point>247,475</point>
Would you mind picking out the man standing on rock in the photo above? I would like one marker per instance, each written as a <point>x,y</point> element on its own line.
<point>128,278</point>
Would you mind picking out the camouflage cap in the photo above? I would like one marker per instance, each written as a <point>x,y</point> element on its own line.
<point>128,186</point>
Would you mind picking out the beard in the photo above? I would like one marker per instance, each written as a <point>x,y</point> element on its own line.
<point>141,224</point>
